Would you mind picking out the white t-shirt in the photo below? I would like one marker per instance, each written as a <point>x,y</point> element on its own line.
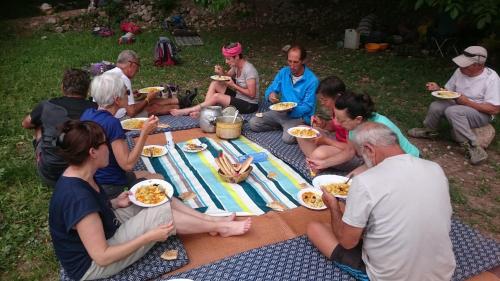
<point>247,72</point>
<point>403,204</point>
<point>484,88</point>
<point>122,111</point>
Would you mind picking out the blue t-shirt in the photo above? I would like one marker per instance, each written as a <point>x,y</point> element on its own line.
<point>112,174</point>
<point>303,92</point>
<point>404,143</point>
<point>72,200</point>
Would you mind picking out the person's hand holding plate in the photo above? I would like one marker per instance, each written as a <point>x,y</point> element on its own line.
<point>122,200</point>
<point>432,86</point>
<point>218,69</point>
<point>273,98</point>
<point>150,125</point>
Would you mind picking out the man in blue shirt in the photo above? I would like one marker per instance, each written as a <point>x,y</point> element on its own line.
<point>293,83</point>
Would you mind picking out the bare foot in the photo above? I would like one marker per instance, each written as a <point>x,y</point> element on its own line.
<point>176,112</point>
<point>195,114</point>
<point>233,228</point>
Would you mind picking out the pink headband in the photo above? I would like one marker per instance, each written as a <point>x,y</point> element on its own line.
<point>232,52</point>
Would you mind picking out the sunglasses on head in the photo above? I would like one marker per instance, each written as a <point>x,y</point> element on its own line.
<point>470,55</point>
<point>231,45</point>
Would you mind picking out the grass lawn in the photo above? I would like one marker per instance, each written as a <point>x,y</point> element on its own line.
<point>31,70</point>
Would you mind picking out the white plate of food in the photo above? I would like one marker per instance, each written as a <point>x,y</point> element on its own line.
<point>192,146</point>
<point>334,184</point>
<point>142,93</point>
<point>150,193</point>
<point>133,124</point>
<point>311,198</point>
<point>303,132</point>
<point>148,90</point>
<point>154,150</point>
<point>283,106</point>
<point>447,95</point>
<point>220,77</point>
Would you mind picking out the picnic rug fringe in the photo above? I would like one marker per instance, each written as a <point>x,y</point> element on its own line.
<point>150,265</point>
<point>298,259</point>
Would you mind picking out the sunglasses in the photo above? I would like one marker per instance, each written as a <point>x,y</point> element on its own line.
<point>134,62</point>
<point>231,45</point>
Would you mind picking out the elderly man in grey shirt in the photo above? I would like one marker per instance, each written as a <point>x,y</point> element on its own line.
<point>397,216</point>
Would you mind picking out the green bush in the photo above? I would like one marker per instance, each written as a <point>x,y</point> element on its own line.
<point>164,5</point>
<point>115,9</point>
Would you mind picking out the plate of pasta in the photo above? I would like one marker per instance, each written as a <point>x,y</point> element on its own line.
<point>142,93</point>
<point>445,94</point>
<point>220,77</point>
<point>283,106</point>
<point>133,124</point>
<point>336,185</point>
<point>311,198</point>
<point>154,151</point>
<point>303,132</point>
<point>150,193</point>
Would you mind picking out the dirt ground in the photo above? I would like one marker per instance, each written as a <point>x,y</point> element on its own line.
<point>475,190</point>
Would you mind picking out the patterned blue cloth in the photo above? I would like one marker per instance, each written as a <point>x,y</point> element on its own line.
<point>298,259</point>
<point>151,265</point>
<point>294,259</point>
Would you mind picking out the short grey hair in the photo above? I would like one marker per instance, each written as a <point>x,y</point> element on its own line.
<point>126,56</point>
<point>106,88</point>
<point>376,134</point>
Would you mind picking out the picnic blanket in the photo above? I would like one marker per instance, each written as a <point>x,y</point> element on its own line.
<point>150,265</point>
<point>271,180</point>
<point>298,259</point>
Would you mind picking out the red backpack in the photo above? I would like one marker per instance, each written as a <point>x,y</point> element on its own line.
<point>165,53</point>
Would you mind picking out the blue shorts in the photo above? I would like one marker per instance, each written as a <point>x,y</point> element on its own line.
<point>350,261</point>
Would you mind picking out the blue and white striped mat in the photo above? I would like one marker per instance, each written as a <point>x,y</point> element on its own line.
<point>271,180</point>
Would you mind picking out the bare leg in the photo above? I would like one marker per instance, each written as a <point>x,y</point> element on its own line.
<point>216,98</point>
<point>185,111</point>
<point>181,207</point>
<point>188,224</point>
<point>307,146</point>
<point>215,87</point>
<point>321,235</point>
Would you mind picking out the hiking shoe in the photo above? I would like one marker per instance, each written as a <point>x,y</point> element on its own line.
<point>477,155</point>
<point>425,133</point>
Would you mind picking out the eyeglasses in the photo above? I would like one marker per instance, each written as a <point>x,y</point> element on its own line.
<point>100,143</point>
<point>470,55</point>
<point>134,62</point>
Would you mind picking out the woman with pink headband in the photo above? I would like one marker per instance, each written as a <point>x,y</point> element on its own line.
<point>241,91</point>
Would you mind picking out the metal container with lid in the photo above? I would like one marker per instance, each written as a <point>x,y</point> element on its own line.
<point>208,115</point>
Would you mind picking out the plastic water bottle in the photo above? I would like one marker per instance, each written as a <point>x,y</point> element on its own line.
<point>257,157</point>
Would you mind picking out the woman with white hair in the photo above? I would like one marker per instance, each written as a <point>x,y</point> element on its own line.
<point>109,92</point>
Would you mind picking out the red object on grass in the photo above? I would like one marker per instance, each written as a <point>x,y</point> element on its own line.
<point>130,27</point>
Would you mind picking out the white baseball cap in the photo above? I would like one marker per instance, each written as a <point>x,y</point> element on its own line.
<point>471,55</point>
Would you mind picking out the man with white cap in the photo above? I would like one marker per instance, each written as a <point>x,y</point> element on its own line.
<point>478,103</point>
